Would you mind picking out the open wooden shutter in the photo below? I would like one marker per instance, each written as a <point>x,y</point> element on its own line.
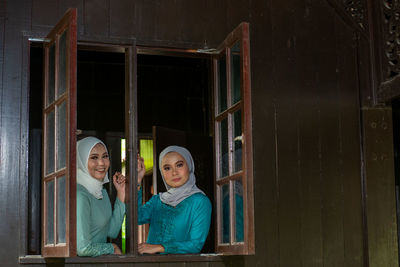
<point>233,144</point>
<point>59,140</point>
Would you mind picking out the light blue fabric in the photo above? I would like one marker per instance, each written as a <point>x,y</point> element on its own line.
<point>95,222</point>
<point>180,229</point>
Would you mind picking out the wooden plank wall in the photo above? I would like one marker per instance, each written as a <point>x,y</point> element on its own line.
<point>306,117</point>
<point>307,136</point>
<point>381,205</point>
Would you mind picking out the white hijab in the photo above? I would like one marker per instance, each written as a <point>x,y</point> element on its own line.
<point>174,196</point>
<point>83,177</point>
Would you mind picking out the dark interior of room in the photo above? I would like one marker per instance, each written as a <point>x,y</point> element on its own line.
<point>172,92</point>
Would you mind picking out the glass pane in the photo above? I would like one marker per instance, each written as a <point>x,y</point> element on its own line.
<point>50,212</point>
<point>61,135</point>
<point>50,142</point>
<point>238,202</point>
<point>225,216</point>
<point>237,140</point>
<point>51,75</point>
<point>222,91</point>
<point>235,73</point>
<point>62,64</point>
<point>61,210</point>
<point>224,149</point>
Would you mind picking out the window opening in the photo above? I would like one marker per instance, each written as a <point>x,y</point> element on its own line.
<point>175,92</point>
<point>100,112</point>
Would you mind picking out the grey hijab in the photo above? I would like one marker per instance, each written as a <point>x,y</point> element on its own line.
<point>174,196</point>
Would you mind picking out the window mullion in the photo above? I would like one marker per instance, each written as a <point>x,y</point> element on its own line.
<point>56,75</point>
<point>231,212</point>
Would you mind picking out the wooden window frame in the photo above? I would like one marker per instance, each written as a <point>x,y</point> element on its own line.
<point>241,35</point>
<point>68,24</point>
<point>128,47</point>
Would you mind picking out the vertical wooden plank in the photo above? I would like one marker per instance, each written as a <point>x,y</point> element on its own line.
<point>216,31</point>
<point>143,20</point>
<point>307,48</point>
<point>330,140</point>
<point>64,5</point>
<point>237,12</point>
<point>44,14</point>
<point>96,17</point>
<point>264,137</point>
<point>381,204</point>
<point>191,18</point>
<point>24,144</point>
<point>2,34</point>
<point>121,18</point>
<point>285,78</point>
<point>10,131</point>
<point>347,69</point>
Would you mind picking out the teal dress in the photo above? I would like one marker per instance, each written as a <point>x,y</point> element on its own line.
<point>180,229</point>
<point>95,222</point>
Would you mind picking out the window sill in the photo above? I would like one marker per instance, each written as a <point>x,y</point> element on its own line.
<point>38,259</point>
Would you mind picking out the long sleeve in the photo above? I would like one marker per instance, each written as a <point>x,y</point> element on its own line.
<point>116,219</point>
<point>198,231</point>
<point>85,245</point>
<point>145,210</point>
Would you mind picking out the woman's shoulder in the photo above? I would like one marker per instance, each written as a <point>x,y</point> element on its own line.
<point>200,199</point>
<point>83,196</point>
<point>82,192</point>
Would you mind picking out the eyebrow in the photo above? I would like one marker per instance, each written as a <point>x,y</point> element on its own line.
<point>96,154</point>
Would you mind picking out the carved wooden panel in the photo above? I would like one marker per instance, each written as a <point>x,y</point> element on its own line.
<point>391,32</point>
<point>357,10</point>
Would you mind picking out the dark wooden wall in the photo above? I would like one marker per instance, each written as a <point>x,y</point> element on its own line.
<point>306,59</point>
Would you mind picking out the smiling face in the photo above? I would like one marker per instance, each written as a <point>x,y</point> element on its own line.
<point>175,169</point>
<point>98,162</point>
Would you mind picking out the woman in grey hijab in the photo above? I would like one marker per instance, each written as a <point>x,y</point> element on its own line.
<point>179,218</point>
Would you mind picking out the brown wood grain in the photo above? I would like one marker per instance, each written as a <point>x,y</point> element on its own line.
<point>381,219</point>
<point>326,123</point>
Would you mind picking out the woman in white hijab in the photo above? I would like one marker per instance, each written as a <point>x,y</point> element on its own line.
<point>179,218</point>
<point>95,219</point>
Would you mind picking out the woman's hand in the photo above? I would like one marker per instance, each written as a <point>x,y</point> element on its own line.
<point>117,251</point>
<point>140,169</point>
<point>119,182</point>
<point>150,248</point>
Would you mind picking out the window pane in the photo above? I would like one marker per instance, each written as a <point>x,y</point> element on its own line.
<point>61,135</point>
<point>62,61</point>
<point>50,142</point>
<point>51,74</point>
<point>238,202</point>
<point>224,149</point>
<point>61,210</point>
<point>235,73</point>
<point>222,92</point>
<point>225,216</point>
<point>50,212</point>
<point>237,139</point>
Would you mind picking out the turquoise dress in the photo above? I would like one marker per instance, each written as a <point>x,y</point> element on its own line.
<point>95,222</point>
<point>180,229</point>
